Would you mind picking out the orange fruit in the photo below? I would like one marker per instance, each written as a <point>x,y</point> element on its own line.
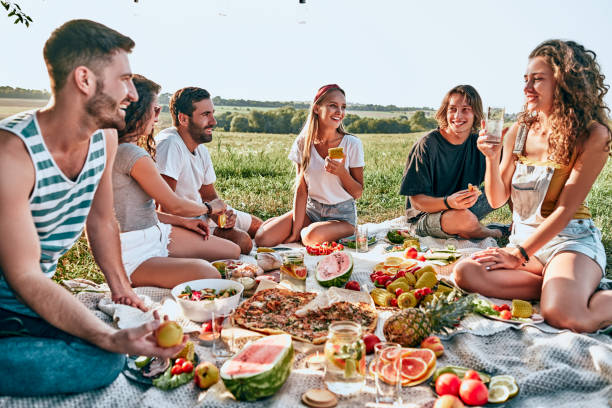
<point>413,368</point>
<point>389,354</point>
<point>428,356</point>
<point>388,373</point>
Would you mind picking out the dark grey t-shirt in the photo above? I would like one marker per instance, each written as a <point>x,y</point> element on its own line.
<point>438,168</point>
<point>135,209</point>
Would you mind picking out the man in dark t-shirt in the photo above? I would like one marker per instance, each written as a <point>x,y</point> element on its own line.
<point>441,167</point>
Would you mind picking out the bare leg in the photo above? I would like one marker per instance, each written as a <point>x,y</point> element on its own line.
<point>277,230</point>
<point>169,272</point>
<point>500,283</point>
<point>465,224</point>
<point>237,236</point>
<point>188,244</point>
<point>255,225</point>
<point>568,301</point>
<point>327,231</point>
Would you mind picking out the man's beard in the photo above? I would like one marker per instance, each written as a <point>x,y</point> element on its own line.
<point>198,133</point>
<point>104,110</point>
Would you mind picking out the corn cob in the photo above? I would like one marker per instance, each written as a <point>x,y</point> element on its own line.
<point>521,308</point>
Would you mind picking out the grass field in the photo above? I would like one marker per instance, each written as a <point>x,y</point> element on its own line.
<point>254,175</point>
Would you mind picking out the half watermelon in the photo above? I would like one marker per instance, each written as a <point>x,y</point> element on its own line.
<point>259,369</point>
<point>335,269</point>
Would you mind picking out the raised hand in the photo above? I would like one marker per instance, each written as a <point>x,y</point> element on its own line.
<point>334,166</point>
<point>218,206</point>
<point>462,199</point>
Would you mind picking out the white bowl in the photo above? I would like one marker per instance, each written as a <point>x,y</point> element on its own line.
<point>201,311</point>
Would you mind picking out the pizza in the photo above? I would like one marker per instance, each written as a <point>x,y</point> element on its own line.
<point>272,311</point>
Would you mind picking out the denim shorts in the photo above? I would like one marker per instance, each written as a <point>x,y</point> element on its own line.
<point>580,236</point>
<point>428,224</point>
<point>344,211</point>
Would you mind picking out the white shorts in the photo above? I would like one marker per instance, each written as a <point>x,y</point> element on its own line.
<point>243,221</point>
<point>140,245</point>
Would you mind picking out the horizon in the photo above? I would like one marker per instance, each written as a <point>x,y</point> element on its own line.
<point>406,54</point>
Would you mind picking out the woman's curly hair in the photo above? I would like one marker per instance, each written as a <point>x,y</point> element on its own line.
<point>138,113</point>
<point>578,99</point>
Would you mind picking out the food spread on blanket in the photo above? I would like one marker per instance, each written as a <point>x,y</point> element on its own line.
<point>206,294</point>
<point>472,387</point>
<point>324,248</point>
<point>519,311</point>
<point>273,311</point>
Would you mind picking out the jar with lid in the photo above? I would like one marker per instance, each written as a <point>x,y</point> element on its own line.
<point>345,358</point>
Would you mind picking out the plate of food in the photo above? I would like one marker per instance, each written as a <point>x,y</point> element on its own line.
<point>349,242</point>
<point>400,236</point>
<point>516,312</point>
<point>162,373</point>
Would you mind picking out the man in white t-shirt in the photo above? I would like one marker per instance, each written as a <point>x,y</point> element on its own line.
<point>185,163</point>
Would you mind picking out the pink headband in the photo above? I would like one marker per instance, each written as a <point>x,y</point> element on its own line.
<point>324,89</point>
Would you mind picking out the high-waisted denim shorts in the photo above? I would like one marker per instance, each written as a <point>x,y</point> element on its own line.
<point>344,211</point>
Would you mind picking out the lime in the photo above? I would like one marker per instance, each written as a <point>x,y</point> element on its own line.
<point>142,361</point>
<point>506,381</point>
<point>498,393</point>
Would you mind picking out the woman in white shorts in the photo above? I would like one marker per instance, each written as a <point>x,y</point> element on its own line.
<point>550,160</point>
<point>326,189</point>
<point>159,249</point>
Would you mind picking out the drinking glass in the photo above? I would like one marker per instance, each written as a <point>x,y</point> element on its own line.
<point>361,238</point>
<point>495,124</point>
<point>387,378</point>
<point>222,350</point>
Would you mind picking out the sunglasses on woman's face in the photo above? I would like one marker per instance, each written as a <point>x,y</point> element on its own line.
<point>157,110</point>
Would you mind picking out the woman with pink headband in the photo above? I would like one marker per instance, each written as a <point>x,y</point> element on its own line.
<point>324,202</point>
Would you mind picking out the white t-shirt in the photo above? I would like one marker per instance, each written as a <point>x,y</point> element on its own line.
<point>190,170</point>
<point>325,187</point>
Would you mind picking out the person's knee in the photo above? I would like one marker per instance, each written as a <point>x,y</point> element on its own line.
<point>312,237</point>
<point>205,269</point>
<point>245,242</point>
<point>262,239</point>
<point>559,315</point>
<point>465,273</point>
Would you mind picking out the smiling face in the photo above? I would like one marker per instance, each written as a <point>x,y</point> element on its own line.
<point>202,121</point>
<point>459,115</point>
<point>539,85</point>
<point>331,110</point>
<point>114,92</point>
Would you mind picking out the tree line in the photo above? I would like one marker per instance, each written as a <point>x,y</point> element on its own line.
<point>10,92</point>
<point>290,120</point>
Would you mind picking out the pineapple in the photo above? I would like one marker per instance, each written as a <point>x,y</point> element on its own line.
<point>410,326</point>
<point>521,308</point>
<point>427,280</point>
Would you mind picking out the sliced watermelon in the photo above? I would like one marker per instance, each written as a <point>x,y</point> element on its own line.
<point>259,369</point>
<point>335,269</point>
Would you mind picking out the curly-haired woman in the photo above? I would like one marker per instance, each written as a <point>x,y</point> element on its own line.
<point>159,249</point>
<point>550,160</point>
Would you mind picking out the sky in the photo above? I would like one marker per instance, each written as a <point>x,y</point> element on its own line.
<point>402,52</point>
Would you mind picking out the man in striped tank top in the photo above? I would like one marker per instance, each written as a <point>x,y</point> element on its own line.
<point>55,179</point>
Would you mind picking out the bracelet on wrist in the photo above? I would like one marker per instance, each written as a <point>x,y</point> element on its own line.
<point>446,203</point>
<point>524,254</point>
<point>208,207</point>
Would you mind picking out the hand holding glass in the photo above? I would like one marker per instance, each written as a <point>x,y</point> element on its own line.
<point>495,124</point>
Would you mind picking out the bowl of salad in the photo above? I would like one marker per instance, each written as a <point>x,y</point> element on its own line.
<point>200,298</point>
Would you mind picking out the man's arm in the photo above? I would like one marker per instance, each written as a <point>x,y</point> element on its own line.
<point>103,233</point>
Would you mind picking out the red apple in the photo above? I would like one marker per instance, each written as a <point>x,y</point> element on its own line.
<point>370,341</point>
<point>473,392</point>
<point>448,401</point>
<point>206,374</point>
<point>434,344</point>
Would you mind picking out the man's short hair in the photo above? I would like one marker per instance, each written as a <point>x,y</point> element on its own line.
<point>81,43</point>
<point>182,101</point>
<point>471,97</point>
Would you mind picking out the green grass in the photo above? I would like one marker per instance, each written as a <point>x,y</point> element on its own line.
<point>254,175</point>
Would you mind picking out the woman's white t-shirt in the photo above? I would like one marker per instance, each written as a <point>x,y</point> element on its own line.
<point>325,187</point>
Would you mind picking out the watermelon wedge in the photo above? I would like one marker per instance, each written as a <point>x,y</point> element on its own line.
<point>260,369</point>
<point>335,269</point>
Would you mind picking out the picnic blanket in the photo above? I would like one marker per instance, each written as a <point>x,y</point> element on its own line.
<point>552,368</point>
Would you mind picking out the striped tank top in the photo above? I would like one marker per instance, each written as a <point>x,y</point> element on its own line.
<point>59,206</point>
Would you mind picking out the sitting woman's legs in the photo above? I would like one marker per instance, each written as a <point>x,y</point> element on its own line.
<point>567,299</point>
<point>169,272</point>
<point>50,361</point>
<point>500,283</point>
<point>327,231</point>
<point>188,244</point>
<point>274,230</point>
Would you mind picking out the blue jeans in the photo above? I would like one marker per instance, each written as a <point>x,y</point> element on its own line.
<point>39,359</point>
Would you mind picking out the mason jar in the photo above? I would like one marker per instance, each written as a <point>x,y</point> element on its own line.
<point>345,358</point>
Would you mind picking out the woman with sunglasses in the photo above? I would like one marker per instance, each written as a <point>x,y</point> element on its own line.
<point>159,249</point>
<point>326,189</point>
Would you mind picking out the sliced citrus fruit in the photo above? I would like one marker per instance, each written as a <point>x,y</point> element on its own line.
<point>506,381</point>
<point>394,261</point>
<point>423,378</point>
<point>379,267</point>
<point>413,368</point>
<point>388,374</point>
<point>407,264</point>
<point>389,354</point>
<point>424,354</point>
<point>498,393</point>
